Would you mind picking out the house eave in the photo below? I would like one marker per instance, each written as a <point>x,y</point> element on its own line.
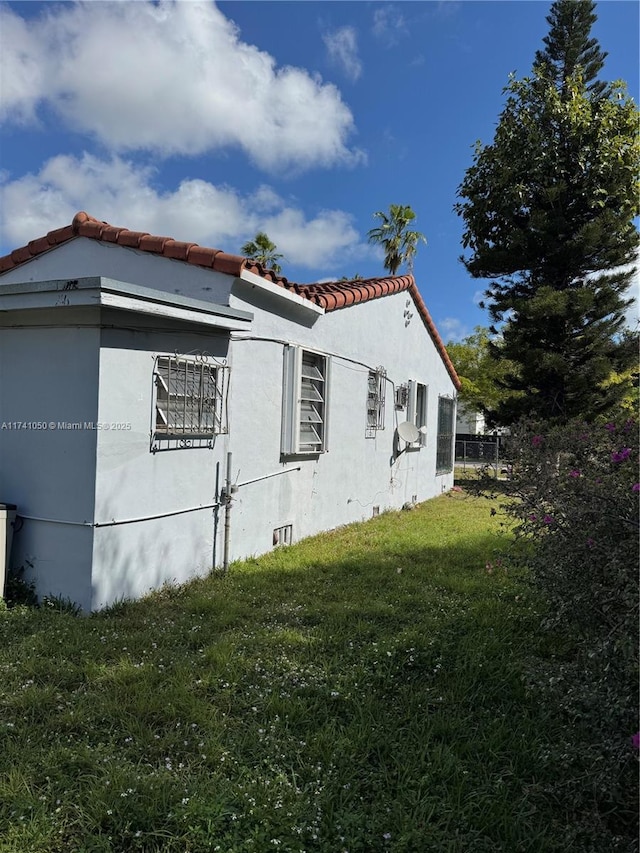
<point>93,291</point>
<point>277,290</point>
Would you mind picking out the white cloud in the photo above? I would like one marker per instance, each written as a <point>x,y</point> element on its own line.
<point>452,329</point>
<point>21,71</point>
<point>172,78</point>
<point>342,45</point>
<point>122,193</point>
<point>447,8</point>
<point>389,25</point>
<point>314,243</point>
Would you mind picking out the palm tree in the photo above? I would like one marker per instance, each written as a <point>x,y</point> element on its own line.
<point>393,234</point>
<point>262,250</point>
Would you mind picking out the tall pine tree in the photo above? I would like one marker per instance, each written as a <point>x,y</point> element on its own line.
<point>569,46</point>
<point>548,210</point>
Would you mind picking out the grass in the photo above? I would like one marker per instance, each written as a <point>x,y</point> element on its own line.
<point>361,691</point>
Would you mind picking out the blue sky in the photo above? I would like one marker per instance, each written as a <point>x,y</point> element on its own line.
<point>208,122</point>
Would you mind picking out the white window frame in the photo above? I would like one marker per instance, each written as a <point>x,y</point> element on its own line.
<point>190,396</point>
<point>417,409</point>
<point>305,402</point>
<point>376,388</point>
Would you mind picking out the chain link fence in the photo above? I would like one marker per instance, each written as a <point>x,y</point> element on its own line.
<point>476,451</point>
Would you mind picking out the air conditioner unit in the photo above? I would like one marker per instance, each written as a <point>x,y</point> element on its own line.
<point>402,396</point>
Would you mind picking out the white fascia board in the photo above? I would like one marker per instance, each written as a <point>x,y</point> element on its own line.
<point>98,291</point>
<point>280,292</point>
<point>138,306</point>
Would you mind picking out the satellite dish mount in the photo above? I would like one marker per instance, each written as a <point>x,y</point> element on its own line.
<point>409,433</point>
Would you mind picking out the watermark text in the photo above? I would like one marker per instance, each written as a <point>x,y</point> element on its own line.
<point>60,426</point>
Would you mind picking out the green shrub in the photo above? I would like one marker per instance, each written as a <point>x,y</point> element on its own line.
<point>574,498</point>
<point>18,591</point>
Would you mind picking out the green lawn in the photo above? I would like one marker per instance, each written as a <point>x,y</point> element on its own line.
<point>362,691</point>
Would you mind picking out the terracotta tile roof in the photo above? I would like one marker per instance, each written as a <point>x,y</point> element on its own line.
<point>330,296</point>
<point>340,294</point>
<point>84,225</point>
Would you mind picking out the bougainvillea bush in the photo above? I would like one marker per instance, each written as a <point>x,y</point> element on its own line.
<point>574,497</point>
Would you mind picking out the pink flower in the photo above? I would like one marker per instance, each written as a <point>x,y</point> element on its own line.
<point>621,455</point>
<point>574,473</point>
<point>533,517</point>
<point>610,426</point>
<point>548,519</point>
<point>590,543</point>
<point>536,440</point>
<point>635,740</point>
<point>635,487</point>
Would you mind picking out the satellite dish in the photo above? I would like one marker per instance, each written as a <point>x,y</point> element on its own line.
<point>408,432</point>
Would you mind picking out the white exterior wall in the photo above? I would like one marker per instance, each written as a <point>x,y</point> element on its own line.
<point>106,376</point>
<point>469,422</point>
<point>83,257</point>
<point>344,484</point>
<point>49,376</point>
<point>132,482</point>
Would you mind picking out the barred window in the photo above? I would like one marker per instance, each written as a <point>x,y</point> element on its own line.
<point>376,385</point>
<point>190,395</point>
<point>444,453</point>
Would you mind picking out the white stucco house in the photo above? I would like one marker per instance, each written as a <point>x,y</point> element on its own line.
<point>139,373</point>
<point>469,421</point>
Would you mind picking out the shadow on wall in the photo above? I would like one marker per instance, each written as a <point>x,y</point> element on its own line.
<point>55,557</point>
<point>131,559</point>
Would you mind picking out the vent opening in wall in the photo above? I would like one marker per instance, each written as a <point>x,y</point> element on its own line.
<point>414,499</point>
<point>376,511</point>
<point>283,535</point>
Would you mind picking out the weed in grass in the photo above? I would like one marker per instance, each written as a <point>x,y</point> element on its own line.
<point>18,591</point>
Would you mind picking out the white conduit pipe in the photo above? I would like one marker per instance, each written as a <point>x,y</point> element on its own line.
<point>268,476</point>
<point>113,522</point>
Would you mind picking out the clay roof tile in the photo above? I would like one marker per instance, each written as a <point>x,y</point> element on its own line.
<point>177,249</point>
<point>89,228</point>
<point>230,264</point>
<point>109,234</point>
<point>200,256</point>
<point>19,256</point>
<point>152,243</point>
<point>131,238</point>
<point>37,247</point>
<point>61,235</point>
<point>331,296</point>
<point>329,301</point>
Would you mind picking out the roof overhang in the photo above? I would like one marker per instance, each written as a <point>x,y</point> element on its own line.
<point>279,291</point>
<point>97,291</point>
